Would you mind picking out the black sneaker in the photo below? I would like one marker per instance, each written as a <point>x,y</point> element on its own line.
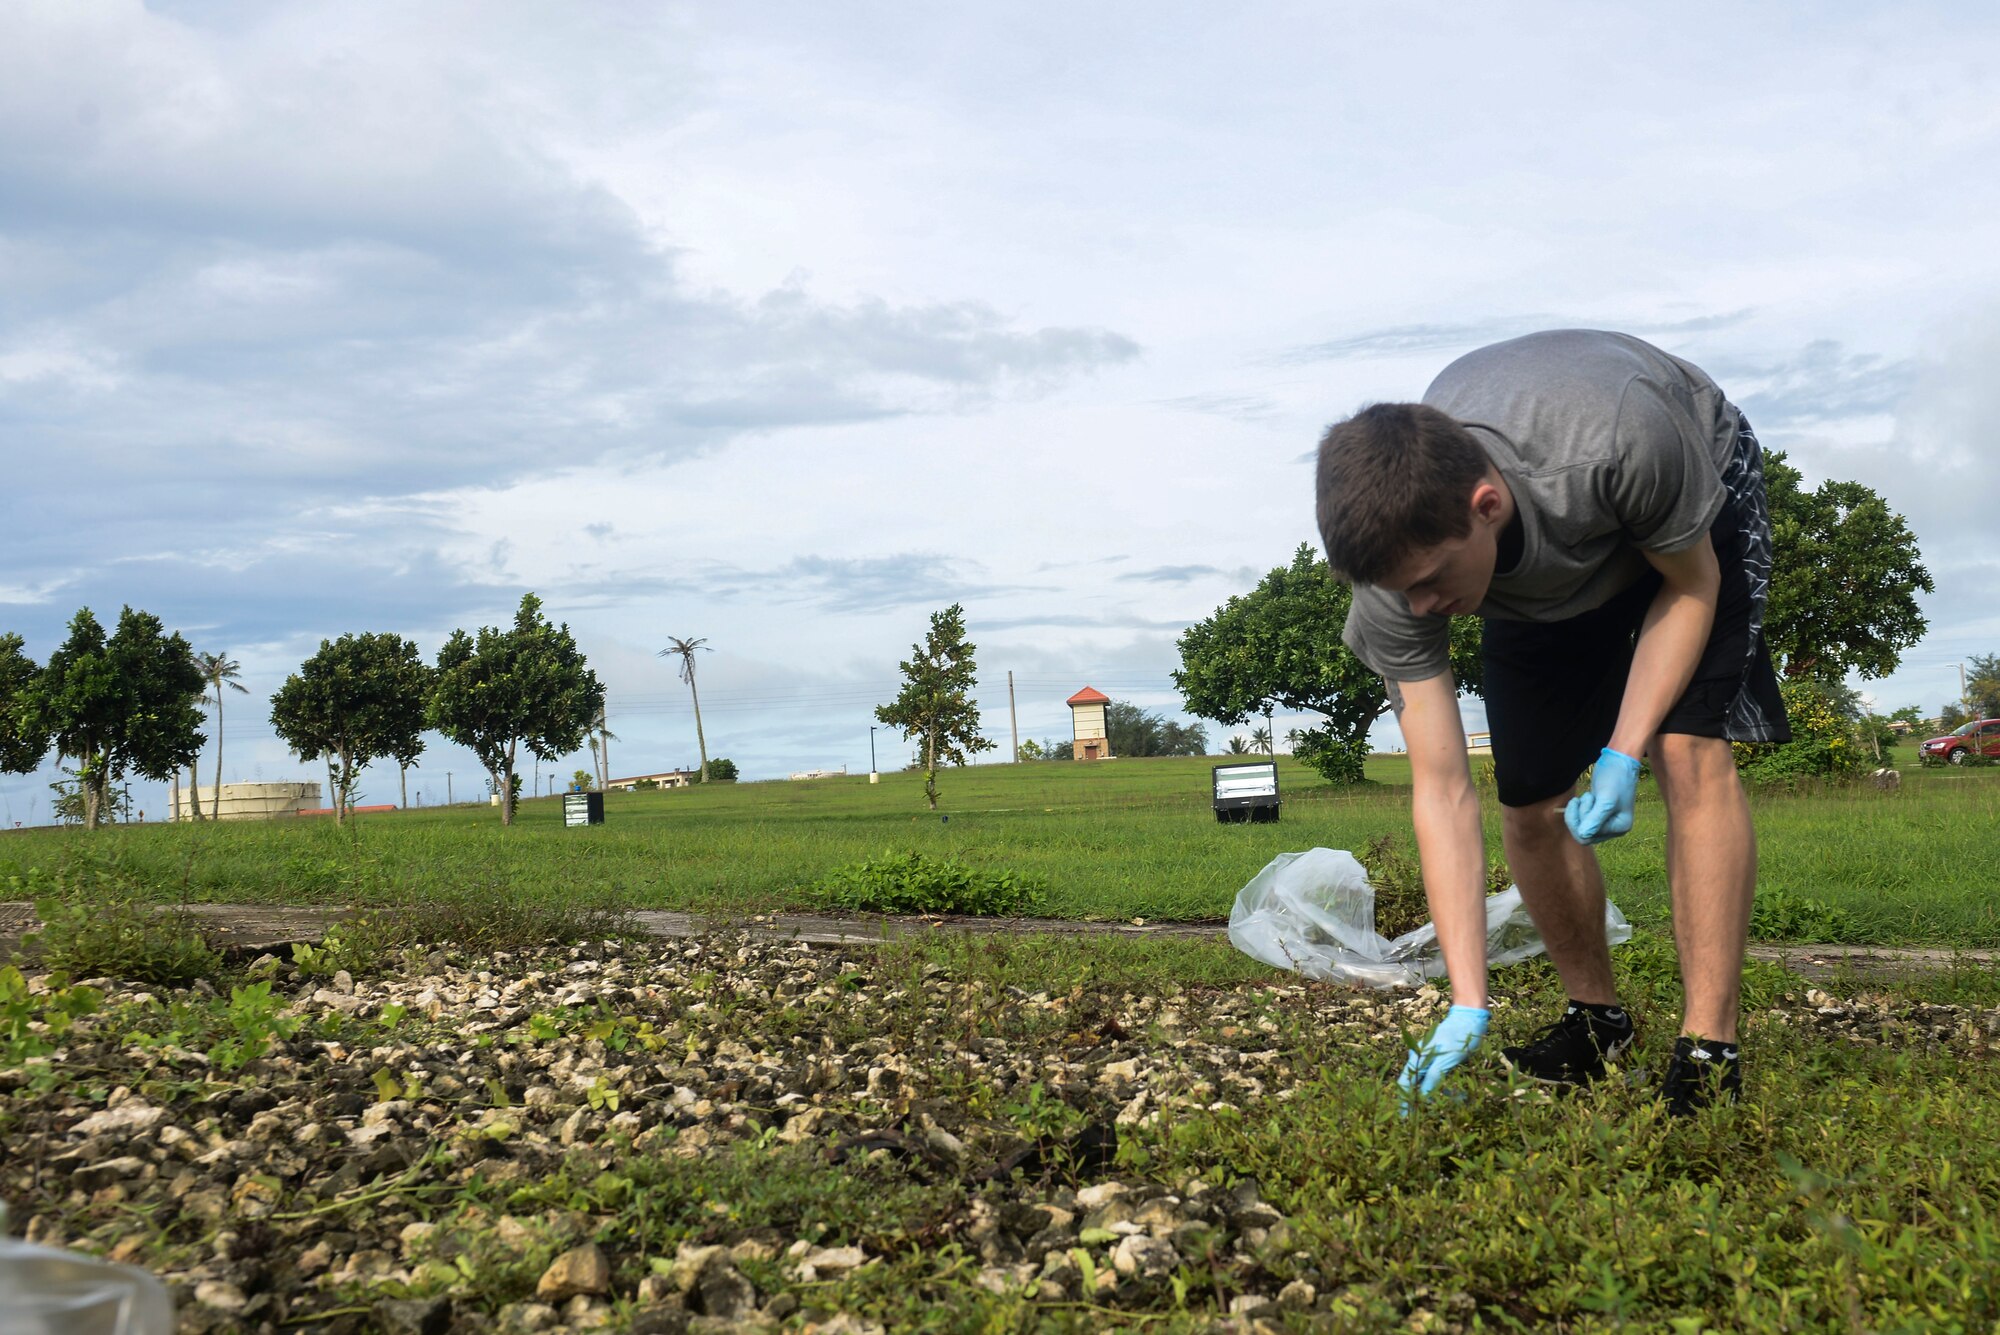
<point>1702,1072</point>
<point>1575,1049</point>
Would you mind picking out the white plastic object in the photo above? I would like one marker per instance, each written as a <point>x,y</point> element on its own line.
<point>46,1291</point>
<point>1314,913</point>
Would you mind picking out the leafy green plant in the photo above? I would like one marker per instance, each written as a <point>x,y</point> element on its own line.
<point>1782,915</point>
<point>389,1088</point>
<point>913,883</point>
<point>602,1095</point>
<point>1825,744</point>
<point>255,1018</point>
<point>465,918</point>
<point>29,1022</point>
<point>1648,969</point>
<point>98,922</point>
<point>1398,878</point>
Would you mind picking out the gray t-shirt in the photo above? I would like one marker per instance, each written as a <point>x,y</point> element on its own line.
<point>1608,445</point>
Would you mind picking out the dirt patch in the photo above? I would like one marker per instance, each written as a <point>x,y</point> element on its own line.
<point>388,1163</point>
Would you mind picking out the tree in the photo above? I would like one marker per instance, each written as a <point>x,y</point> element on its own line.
<point>218,670</point>
<point>935,707</point>
<point>23,742</point>
<point>360,698</point>
<point>1238,745</point>
<point>410,748</point>
<point>1982,685</point>
<point>1260,740</point>
<point>1031,750</point>
<point>1844,578</point>
<point>1133,731</point>
<point>600,740</point>
<point>1278,646</point>
<point>193,804</point>
<point>684,650</point>
<point>121,705</point>
<point>504,689</point>
<point>583,781</point>
<point>69,804</point>
<point>1951,715</point>
<point>720,770</point>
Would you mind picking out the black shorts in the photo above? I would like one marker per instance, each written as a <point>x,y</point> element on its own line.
<point>1553,689</point>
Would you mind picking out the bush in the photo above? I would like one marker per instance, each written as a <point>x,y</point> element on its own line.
<point>1398,879</point>
<point>1780,915</point>
<point>1334,760</point>
<point>97,921</point>
<point>1825,742</point>
<point>477,920</point>
<point>913,883</point>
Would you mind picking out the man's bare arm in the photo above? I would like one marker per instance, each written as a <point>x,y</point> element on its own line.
<point>1450,840</point>
<point>1670,643</point>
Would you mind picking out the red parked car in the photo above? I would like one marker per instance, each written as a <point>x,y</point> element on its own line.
<point>1957,747</point>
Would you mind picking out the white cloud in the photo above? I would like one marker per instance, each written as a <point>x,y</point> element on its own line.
<point>784,325</point>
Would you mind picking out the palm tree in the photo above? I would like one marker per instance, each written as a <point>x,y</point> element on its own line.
<point>193,803</point>
<point>1237,746</point>
<point>684,650</point>
<point>1260,740</point>
<point>220,671</point>
<point>601,739</point>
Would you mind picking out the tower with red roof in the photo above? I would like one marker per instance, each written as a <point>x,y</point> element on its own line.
<point>1086,715</point>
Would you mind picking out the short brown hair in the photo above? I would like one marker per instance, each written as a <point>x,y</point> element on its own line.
<point>1394,479</point>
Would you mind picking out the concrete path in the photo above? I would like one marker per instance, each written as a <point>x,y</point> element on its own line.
<point>251,927</point>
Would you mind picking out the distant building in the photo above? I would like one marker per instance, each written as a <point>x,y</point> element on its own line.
<point>673,778</point>
<point>245,801</point>
<point>820,773</point>
<point>1086,716</point>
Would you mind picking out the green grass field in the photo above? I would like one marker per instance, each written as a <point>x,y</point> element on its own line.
<point>1116,841</point>
<point>1854,1187</point>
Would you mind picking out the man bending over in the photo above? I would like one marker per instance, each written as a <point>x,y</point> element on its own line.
<point>1600,505</point>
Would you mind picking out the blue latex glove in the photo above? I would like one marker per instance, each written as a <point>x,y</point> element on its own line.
<point>1605,812</point>
<point>1455,1039</point>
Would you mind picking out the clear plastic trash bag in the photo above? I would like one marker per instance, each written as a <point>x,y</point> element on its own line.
<point>47,1291</point>
<point>1314,913</point>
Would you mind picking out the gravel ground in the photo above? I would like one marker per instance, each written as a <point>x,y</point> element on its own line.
<point>379,1170</point>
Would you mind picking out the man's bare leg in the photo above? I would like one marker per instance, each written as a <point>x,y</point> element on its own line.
<point>1712,870</point>
<point>1564,891</point>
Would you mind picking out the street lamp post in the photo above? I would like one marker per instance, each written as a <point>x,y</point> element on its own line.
<point>873,776</point>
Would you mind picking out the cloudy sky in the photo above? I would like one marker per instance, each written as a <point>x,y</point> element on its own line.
<point>783,325</point>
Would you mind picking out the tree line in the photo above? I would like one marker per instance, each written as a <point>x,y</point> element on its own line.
<point>130,703</point>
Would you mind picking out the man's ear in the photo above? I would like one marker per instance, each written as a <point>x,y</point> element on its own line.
<point>1487,501</point>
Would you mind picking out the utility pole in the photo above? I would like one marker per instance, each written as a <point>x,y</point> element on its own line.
<point>1963,702</point>
<point>873,775</point>
<point>447,787</point>
<point>604,750</point>
<point>1013,718</point>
